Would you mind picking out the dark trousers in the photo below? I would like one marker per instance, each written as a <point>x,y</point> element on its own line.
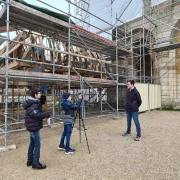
<point>34,147</point>
<point>66,134</point>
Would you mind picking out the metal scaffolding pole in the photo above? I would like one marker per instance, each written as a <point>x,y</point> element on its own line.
<point>6,74</point>
<point>53,88</point>
<point>140,58</point>
<point>144,63</point>
<point>132,54</point>
<point>53,94</point>
<point>18,102</point>
<point>117,76</point>
<point>111,11</point>
<point>69,43</point>
<point>101,88</point>
<point>150,47</point>
<point>125,34</point>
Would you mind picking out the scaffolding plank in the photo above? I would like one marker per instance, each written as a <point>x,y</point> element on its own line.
<point>166,47</point>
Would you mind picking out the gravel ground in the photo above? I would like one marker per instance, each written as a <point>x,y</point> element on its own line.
<point>156,157</point>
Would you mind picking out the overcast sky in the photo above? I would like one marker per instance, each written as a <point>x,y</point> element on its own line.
<point>102,8</point>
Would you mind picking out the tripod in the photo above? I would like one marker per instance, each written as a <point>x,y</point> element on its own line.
<point>81,120</point>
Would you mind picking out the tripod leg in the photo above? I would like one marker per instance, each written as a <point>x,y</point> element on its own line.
<point>85,135</point>
<point>75,119</point>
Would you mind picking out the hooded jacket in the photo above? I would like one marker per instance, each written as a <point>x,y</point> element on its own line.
<point>69,109</point>
<point>34,115</point>
<point>133,100</point>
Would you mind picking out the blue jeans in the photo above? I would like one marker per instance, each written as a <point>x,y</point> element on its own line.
<point>66,133</point>
<point>135,117</point>
<point>34,147</point>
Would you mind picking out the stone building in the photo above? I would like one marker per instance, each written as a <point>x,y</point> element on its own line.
<point>154,42</point>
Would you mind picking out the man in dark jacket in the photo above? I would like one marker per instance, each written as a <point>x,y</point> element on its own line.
<point>133,101</point>
<point>33,121</point>
<point>69,109</point>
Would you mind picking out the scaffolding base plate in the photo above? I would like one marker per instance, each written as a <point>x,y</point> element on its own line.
<point>10,147</point>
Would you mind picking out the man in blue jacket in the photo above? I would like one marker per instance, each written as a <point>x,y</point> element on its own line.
<point>69,109</point>
<point>133,101</point>
<point>33,121</point>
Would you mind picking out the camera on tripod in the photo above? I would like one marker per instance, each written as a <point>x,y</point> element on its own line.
<point>80,94</point>
<point>81,122</point>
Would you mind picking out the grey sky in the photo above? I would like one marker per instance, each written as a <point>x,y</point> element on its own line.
<point>102,8</point>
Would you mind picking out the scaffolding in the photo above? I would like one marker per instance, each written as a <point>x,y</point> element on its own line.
<point>66,55</point>
<point>154,41</point>
<point>71,59</point>
<point>82,15</point>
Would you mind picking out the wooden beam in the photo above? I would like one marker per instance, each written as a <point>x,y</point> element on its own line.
<point>59,77</point>
<point>13,49</point>
<point>42,50</point>
<point>19,37</point>
<point>11,65</point>
<point>51,53</point>
<point>29,49</point>
<point>3,29</point>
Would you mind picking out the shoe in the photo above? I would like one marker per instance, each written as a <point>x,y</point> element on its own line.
<point>126,134</point>
<point>62,148</point>
<point>70,151</point>
<point>137,138</point>
<point>39,166</point>
<point>29,163</point>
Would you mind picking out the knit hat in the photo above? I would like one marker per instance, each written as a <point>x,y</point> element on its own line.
<point>66,95</point>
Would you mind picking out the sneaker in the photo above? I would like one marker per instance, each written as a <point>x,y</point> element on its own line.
<point>126,134</point>
<point>70,151</point>
<point>61,148</point>
<point>29,163</point>
<point>137,138</point>
<point>39,166</point>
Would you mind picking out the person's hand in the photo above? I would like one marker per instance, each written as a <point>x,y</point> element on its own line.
<point>80,97</point>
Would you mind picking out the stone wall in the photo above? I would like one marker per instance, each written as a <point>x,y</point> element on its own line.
<point>166,64</point>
